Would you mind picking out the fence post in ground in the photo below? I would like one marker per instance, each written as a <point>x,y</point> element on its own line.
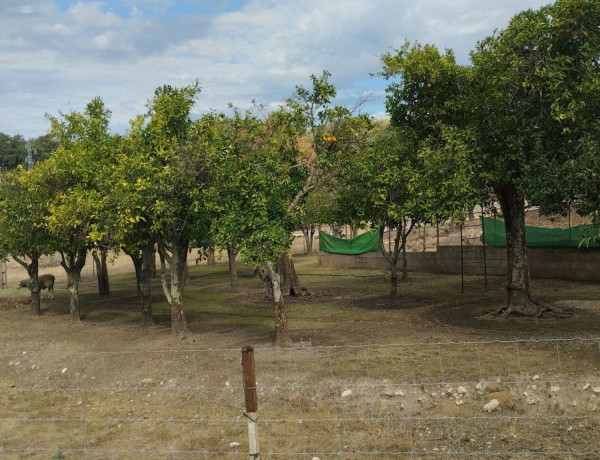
<point>3,274</point>
<point>251,397</point>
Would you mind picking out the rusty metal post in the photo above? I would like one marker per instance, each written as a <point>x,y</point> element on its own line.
<point>251,398</point>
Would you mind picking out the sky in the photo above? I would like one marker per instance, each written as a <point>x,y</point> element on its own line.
<point>57,55</point>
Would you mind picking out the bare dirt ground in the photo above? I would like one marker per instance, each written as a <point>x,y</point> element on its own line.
<point>364,380</point>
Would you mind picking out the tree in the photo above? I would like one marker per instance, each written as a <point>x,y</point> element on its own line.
<point>535,108</point>
<point>320,134</point>
<point>415,171</point>
<point>177,213</point>
<point>249,195</point>
<point>13,150</point>
<point>318,208</point>
<point>70,180</point>
<point>24,234</point>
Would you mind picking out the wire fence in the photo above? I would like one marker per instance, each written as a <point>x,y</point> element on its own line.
<point>497,399</point>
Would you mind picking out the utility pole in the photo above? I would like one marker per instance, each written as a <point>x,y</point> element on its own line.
<point>30,153</point>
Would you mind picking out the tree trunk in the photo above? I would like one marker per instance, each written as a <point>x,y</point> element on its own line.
<point>137,259</point>
<point>102,272</point>
<point>290,284</point>
<point>392,259</point>
<point>518,300</point>
<point>233,275</point>
<point>174,292</point>
<point>32,270</point>
<point>273,281</point>
<point>73,263</point>
<point>145,283</point>
<point>210,257</point>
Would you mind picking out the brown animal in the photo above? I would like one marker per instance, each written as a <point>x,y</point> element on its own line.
<point>44,282</point>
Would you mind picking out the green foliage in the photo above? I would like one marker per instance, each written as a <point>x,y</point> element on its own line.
<point>250,193</point>
<point>23,229</point>
<point>72,181</point>
<point>13,150</point>
<point>536,99</point>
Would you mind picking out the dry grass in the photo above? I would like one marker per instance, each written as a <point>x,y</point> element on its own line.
<point>110,389</point>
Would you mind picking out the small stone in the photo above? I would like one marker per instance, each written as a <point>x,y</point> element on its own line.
<point>554,389</point>
<point>596,389</point>
<point>346,393</point>
<point>535,377</point>
<point>492,405</point>
<point>316,458</point>
<point>534,387</point>
<point>433,395</point>
<point>586,386</point>
<point>461,390</point>
<point>531,401</point>
<point>64,370</point>
<point>480,386</point>
<point>459,402</point>
<point>399,393</point>
<point>234,444</point>
<point>147,381</point>
<point>227,383</point>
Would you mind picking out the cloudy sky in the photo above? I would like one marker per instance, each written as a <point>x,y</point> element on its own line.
<point>56,55</point>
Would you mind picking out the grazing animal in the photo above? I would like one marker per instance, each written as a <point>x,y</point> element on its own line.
<point>44,282</point>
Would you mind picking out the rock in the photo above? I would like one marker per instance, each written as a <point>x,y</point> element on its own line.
<point>346,393</point>
<point>461,390</point>
<point>492,405</point>
<point>316,458</point>
<point>480,386</point>
<point>535,377</point>
<point>586,386</point>
<point>596,389</point>
<point>147,381</point>
<point>554,389</point>
<point>234,444</point>
<point>64,370</point>
<point>459,402</point>
<point>399,393</point>
<point>532,400</point>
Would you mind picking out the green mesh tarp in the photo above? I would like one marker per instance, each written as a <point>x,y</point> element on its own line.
<point>538,237</point>
<point>367,242</point>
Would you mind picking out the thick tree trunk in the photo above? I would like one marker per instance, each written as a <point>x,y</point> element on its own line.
<point>102,272</point>
<point>145,283</point>
<point>272,279</point>
<point>174,291</point>
<point>32,270</point>
<point>233,275</point>
<point>392,259</point>
<point>73,263</point>
<point>518,299</point>
<point>290,284</point>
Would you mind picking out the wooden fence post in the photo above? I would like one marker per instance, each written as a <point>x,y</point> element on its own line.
<point>251,397</point>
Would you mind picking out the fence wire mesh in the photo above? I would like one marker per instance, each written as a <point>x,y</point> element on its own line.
<point>498,399</point>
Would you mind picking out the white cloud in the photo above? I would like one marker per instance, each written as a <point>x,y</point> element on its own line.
<point>54,60</point>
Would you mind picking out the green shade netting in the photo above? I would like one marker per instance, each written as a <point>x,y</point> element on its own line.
<point>540,237</point>
<point>367,242</point>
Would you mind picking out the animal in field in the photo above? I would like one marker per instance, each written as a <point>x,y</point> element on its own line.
<point>44,282</point>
